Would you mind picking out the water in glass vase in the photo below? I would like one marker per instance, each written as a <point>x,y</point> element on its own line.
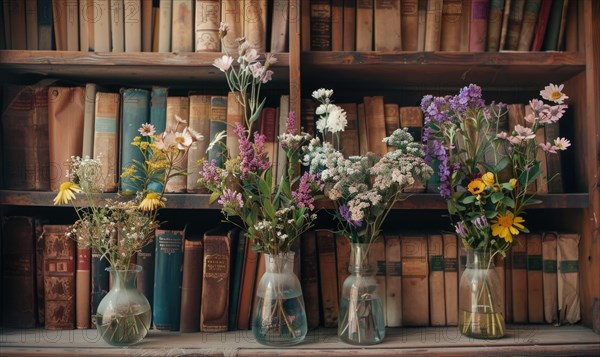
<point>124,329</point>
<point>280,321</point>
<point>484,325</point>
<point>368,325</point>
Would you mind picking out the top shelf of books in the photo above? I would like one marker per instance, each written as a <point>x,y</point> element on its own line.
<point>152,68</point>
<point>388,70</point>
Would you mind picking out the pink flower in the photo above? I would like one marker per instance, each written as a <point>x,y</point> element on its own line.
<point>524,133</point>
<point>562,143</point>
<point>231,199</point>
<point>147,129</point>
<point>223,63</point>
<point>547,147</point>
<point>554,93</point>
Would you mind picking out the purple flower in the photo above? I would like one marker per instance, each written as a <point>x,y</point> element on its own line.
<point>254,157</point>
<point>480,222</point>
<point>460,229</point>
<point>304,194</point>
<point>210,173</point>
<point>291,123</point>
<point>231,199</point>
<point>345,213</point>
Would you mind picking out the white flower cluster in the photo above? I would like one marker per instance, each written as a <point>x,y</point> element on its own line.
<point>332,118</point>
<point>322,94</point>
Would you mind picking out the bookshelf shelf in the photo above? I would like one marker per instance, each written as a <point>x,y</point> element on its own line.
<point>520,339</point>
<point>421,201</point>
<point>140,68</point>
<point>388,70</point>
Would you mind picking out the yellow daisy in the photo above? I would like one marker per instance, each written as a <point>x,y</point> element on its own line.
<point>66,193</point>
<point>476,186</point>
<point>488,179</point>
<point>505,226</point>
<point>513,182</point>
<point>151,202</point>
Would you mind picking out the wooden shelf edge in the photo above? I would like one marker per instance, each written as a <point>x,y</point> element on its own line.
<point>420,201</point>
<point>523,339</point>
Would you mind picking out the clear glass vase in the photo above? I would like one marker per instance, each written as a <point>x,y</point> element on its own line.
<point>123,316</point>
<point>481,298</point>
<point>280,317</point>
<point>361,319</point>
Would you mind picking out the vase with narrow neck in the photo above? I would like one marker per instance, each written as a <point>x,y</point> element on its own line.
<point>481,298</point>
<point>123,315</point>
<point>361,318</point>
<point>280,317</point>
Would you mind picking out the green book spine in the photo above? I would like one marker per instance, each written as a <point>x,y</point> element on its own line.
<point>135,112</point>
<point>236,280</point>
<point>553,27</point>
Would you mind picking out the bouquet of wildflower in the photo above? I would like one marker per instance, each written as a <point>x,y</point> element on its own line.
<point>462,134</point>
<point>118,229</point>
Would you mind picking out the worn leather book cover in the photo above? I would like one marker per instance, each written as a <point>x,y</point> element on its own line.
<point>168,277</point>
<point>451,278</point>
<point>133,25</point>
<point>25,138</point>
<point>342,249</point>
<point>541,25</point>
<point>134,112</point>
<point>207,20</point>
<point>415,280</point>
<point>393,280</point>
<point>479,25</point>
<point>200,122</point>
<point>409,22</point>
<point>39,267</point>
<point>248,278</point>
<point>519,280</point>
<point>89,114</point>
<point>165,14</point>
<point>214,317</point>
<point>437,303</point>
<point>451,14</point>
<point>102,26</point>
<point>530,18</point>
<point>83,287</point>
<point>388,29</point>
<point>65,129</point>
<point>337,25</point>
<point>494,25</point>
<point>18,272</point>
<point>146,28</point>
<point>328,277</point>
<point>349,138</point>
<point>191,285</point>
<point>569,305</point>
<point>232,12</point>
<point>235,115</point>
<point>106,137</point>
<point>182,33</point>
<point>535,301</point>
<point>375,117</point>
<point>550,278</point>
<point>255,24</point>
<point>392,120</point>
<point>433,33</point>
<point>364,25</point>
<point>59,278</point>
<point>310,278</point>
<point>320,25</point>
<point>59,17</point>
<point>279,26</point>
<point>515,21</point>
<point>180,107</point>
<point>349,29</point>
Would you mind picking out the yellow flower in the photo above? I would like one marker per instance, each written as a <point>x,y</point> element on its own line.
<point>504,226</point>
<point>476,186</point>
<point>66,193</point>
<point>513,182</point>
<point>151,202</point>
<point>488,179</point>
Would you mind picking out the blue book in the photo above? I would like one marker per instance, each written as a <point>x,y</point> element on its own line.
<point>168,265</point>
<point>100,277</point>
<point>135,112</point>
<point>158,118</point>
<point>236,277</point>
<point>219,151</point>
<point>45,24</point>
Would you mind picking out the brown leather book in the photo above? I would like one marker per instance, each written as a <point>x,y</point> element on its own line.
<point>255,24</point>
<point>208,17</point>
<point>535,301</point>
<point>182,31</point>
<point>494,25</point>
<point>310,278</point>
<point>409,22</point>
<point>59,278</point>
<point>349,31</point>
<point>82,286</point>
<point>328,277</point>
<point>342,249</point>
<point>500,270</point>
<point>549,277</point>
<point>415,286</point>
<point>530,18</point>
<point>200,122</point>
<point>569,305</point>
<point>337,25</point>
<point>39,267</point>
<point>479,25</point>
<point>247,286</point>
<point>215,281</point>
<point>18,272</point>
<point>320,25</point>
<point>305,26</point>
<point>375,117</point>
<point>279,26</point>
<point>65,129</point>
<point>393,280</point>
<point>349,138</point>
<point>515,20</point>
<point>450,36</point>
<point>235,114</point>
<point>147,25</point>
<point>363,136</point>
<point>178,106</point>
<point>437,303</point>
<point>59,17</point>
<point>191,285</point>
<point>451,278</point>
<point>25,138</point>
<point>392,120</point>
<point>106,137</point>
<point>364,25</point>
<point>433,25</point>
<point>412,118</point>
<point>388,36</point>
<point>519,280</point>
<point>378,255</point>
<point>508,309</point>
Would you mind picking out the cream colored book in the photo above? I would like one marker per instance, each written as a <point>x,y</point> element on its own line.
<point>72,15</point>
<point>31,15</point>
<point>451,278</point>
<point>388,31</point>
<point>232,14</point>
<point>164,25</point>
<point>393,280</point>
<point>102,25</point>
<point>182,33</point>
<point>208,18</point>
<point>437,305</point>
<point>200,122</point>
<point>117,25</point>
<point>255,24</point>
<point>133,25</point>
<point>106,129</point>
<point>178,107</point>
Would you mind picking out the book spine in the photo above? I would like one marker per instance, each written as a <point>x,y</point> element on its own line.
<point>279,26</point>
<point>31,17</point>
<point>65,129</point>
<point>309,279</point>
<point>167,279</point>
<point>392,120</point>
<point>515,20</point>
<point>207,20</point>
<point>72,29</point>
<point>106,134</point>
<point>328,277</point>
<point>305,25</point>
<point>282,160</point>
<point>433,25</point>
<point>451,278</point>
<point>479,25</point>
<point>542,23</point>
<point>39,268</point>
<point>530,17</point>
<point>191,286</point>
<point>146,28</point>
<point>378,255</point>
<point>59,278</point>
<point>437,303</point>
<point>200,122</point>
<point>364,25</point>
<point>232,12</point>
<point>349,28</point>
<point>83,284</point>
<point>59,17</point>
<point>375,116</point>
<point>45,22</point>
<point>178,107</point>
<point>320,25</point>
<point>393,280</point>
<point>117,25</point>
<point>450,36</point>
<point>218,124</point>
<point>337,25</point>
<point>255,24</point>
<point>567,257</point>
<point>215,282</point>
<point>388,36</point>
<point>88,119</point>
<point>18,272</point>
<point>164,25</point>
<point>549,278</point>
<point>145,280</point>
<point>99,286</point>
<point>236,279</point>
<point>133,25</point>
<point>134,113</point>
<point>235,116</point>
<point>342,249</point>
<point>494,25</point>
<point>519,281</point>
<point>349,138</point>
<point>247,286</point>
<point>158,108</point>
<point>535,300</point>
<point>182,34</point>
<point>415,287</point>
<point>499,268</point>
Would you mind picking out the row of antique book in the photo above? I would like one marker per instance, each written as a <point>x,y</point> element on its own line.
<point>43,126</point>
<point>206,280</point>
<point>143,25</point>
<point>434,25</point>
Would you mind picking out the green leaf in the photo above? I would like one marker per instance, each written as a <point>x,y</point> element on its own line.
<point>468,199</point>
<point>257,114</point>
<point>264,187</point>
<point>497,196</point>
<point>509,202</point>
<point>502,164</point>
<point>214,196</point>
<point>268,209</point>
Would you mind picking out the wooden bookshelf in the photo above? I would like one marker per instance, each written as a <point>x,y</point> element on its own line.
<point>444,341</point>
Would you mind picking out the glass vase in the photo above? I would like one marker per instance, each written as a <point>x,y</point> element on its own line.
<point>481,298</point>
<point>123,316</point>
<point>361,318</point>
<point>280,318</point>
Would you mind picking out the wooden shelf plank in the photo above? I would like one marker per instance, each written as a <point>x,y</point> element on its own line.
<point>390,70</point>
<point>523,339</point>
<point>131,68</point>
<point>422,201</point>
